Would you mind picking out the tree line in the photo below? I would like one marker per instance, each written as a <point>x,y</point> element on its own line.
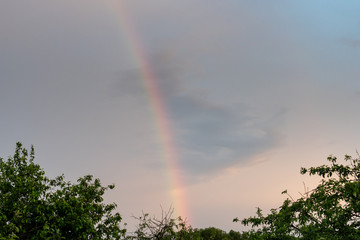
<point>33,206</point>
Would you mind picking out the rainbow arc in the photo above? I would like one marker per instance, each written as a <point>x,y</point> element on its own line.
<point>159,109</point>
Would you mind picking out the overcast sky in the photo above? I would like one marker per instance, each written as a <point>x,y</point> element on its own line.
<point>253,91</point>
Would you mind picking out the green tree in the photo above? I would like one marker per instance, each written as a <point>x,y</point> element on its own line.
<point>233,235</point>
<point>212,233</point>
<point>164,228</point>
<point>32,206</point>
<point>330,211</point>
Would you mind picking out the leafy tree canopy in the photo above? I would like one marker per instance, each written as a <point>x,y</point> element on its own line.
<point>330,211</point>
<point>32,206</point>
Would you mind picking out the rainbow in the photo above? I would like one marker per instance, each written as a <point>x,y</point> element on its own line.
<point>159,110</point>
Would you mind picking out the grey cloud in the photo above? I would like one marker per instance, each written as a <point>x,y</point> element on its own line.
<point>130,81</point>
<point>353,43</point>
<point>210,137</point>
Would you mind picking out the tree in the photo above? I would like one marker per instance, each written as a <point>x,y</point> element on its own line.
<point>165,228</point>
<point>330,211</point>
<point>32,206</point>
<point>168,228</point>
<point>212,233</point>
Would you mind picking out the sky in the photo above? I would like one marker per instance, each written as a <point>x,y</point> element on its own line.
<point>207,106</point>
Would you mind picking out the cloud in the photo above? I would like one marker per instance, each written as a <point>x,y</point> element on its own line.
<point>353,43</point>
<point>210,136</point>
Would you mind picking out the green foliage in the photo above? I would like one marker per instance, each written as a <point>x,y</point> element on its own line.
<point>330,211</point>
<point>212,233</point>
<point>33,206</point>
<point>165,228</point>
<point>168,228</point>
